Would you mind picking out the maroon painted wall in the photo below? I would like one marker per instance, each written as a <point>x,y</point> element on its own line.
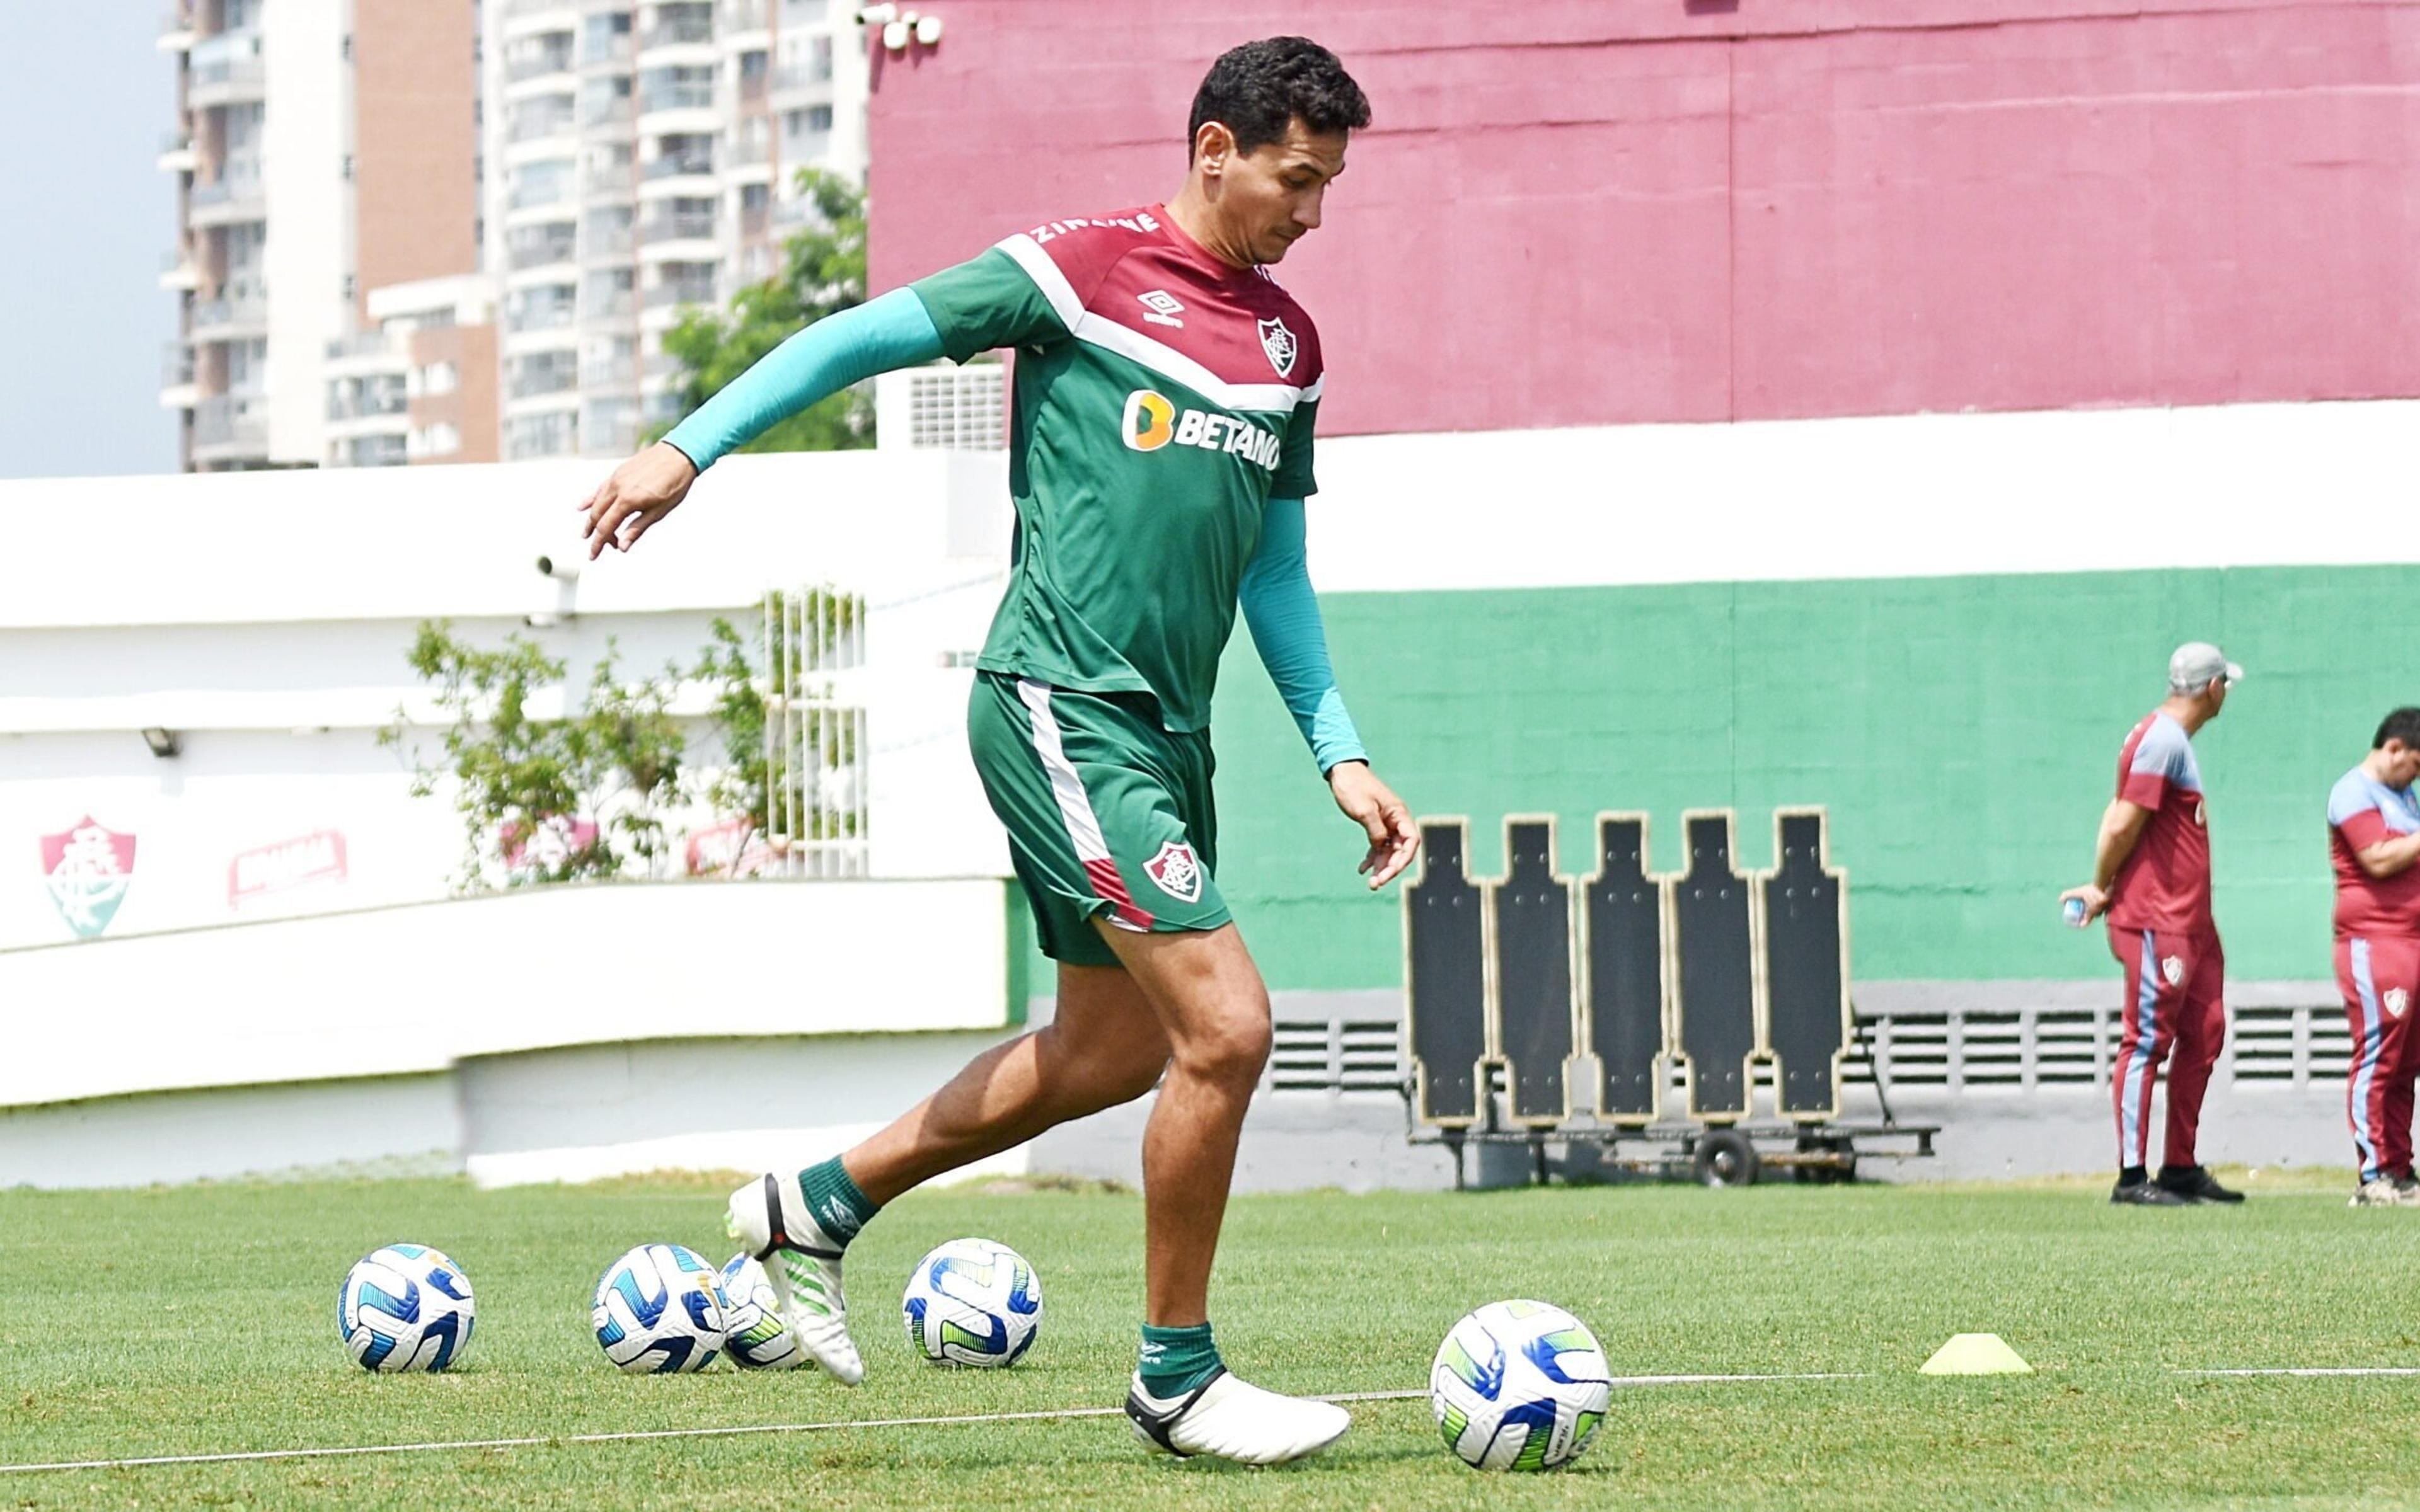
<point>1595,212</point>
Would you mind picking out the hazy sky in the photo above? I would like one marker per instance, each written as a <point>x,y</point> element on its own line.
<point>86,215</point>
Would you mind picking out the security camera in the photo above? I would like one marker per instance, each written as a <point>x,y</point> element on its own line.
<point>876,15</point>
<point>566,573</point>
<point>928,30</point>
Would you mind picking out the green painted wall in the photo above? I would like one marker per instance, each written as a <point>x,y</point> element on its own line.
<point>1963,732</point>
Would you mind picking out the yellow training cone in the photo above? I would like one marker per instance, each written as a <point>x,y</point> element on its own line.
<point>1976,1354</point>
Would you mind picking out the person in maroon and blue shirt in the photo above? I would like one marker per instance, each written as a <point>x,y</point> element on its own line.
<point>2150,875</point>
<point>2374,839</point>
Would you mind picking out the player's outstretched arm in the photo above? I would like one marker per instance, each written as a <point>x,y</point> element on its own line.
<point>1283,614</point>
<point>890,332</point>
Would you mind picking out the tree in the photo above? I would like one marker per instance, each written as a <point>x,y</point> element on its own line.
<point>548,800</point>
<point>823,273</point>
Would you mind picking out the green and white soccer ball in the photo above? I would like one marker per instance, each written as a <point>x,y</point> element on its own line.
<point>972,1302</point>
<point>1519,1385</point>
<point>758,1338</point>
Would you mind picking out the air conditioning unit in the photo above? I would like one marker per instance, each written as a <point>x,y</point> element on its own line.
<point>942,407</point>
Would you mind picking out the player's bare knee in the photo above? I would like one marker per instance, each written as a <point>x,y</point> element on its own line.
<point>1230,1050</point>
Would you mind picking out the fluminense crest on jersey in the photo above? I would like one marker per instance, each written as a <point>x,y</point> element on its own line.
<point>1176,873</point>
<point>86,869</point>
<point>1279,344</point>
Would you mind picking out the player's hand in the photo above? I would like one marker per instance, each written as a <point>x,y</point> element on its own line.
<point>642,491</point>
<point>2096,903</point>
<point>1369,803</point>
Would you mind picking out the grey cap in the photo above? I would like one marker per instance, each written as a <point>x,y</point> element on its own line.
<point>2195,664</point>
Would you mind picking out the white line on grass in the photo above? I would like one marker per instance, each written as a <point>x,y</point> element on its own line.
<point>2313,1371</point>
<point>635,1435</point>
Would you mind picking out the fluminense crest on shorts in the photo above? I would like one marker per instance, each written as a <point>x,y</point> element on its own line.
<point>86,869</point>
<point>2396,1001</point>
<point>2173,968</point>
<point>1279,342</point>
<point>1176,873</point>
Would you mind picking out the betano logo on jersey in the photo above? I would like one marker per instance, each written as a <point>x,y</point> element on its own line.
<point>1151,422</point>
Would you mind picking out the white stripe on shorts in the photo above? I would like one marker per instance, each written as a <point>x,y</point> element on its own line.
<point>1074,808</point>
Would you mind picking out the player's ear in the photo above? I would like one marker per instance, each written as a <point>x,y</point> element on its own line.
<point>1211,146</point>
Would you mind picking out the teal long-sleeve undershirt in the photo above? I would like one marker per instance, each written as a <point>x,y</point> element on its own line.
<point>1283,614</point>
<point>892,331</point>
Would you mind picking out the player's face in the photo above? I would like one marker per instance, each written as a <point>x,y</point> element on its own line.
<point>1273,193</point>
<point>2402,764</point>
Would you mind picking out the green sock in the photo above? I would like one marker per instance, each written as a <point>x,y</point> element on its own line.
<point>1177,1360</point>
<point>839,1208</point>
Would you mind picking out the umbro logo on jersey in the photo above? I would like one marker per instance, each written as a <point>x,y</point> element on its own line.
<point>1160,308</point>
<point>1279,344</point>
<point>1151,422</point>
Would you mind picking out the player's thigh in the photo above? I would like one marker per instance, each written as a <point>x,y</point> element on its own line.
<point>1103,1018</point>
<point>2157,970</point>
<point>2388,967</point>
<point>1205,989</point>
<point>1040,803</point>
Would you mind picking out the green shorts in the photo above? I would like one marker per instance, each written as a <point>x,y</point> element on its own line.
<point>1108,814</point>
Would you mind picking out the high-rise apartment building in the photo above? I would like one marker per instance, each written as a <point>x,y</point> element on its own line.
<point>642,159</point>
<point>324,148</point>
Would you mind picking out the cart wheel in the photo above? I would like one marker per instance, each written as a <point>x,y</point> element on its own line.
<point>1725,1158</point>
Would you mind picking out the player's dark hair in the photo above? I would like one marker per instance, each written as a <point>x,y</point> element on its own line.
<point>2403,725</point>
<point>1255,89</point>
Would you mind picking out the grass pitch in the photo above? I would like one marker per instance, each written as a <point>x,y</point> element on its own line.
<point>202,1319</point>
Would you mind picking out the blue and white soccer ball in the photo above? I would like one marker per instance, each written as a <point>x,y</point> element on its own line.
<point>660,1311</point>
<point>759,1337</point>
<point>972,1302</point>
<point>1519,1385</point>
<point>405,1307</point>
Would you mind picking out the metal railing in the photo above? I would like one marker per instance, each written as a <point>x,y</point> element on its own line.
<point>678,31</point>
<point>744,15</point>
<point>537,64</point>
<point>619,305</point>
<point>539,253</point>
<point>529,194</point>
<point>606,241</point>
<point>224,79</point>
<point>231,419</point>
<point>701,292</point>
<point>616,111</point>
<point>803,79</point>
<point>747,152</point>
<point>554,378</point>
<point>609,179</point>
<point>177,20</point>
<point>676,97</point>
<point>815,744</point>
<point>679,225</point>
<point>532,125</point>
<point>540,315</point>
<point>229,313</point>
<point>362,344</point>
<point>681,165</point>
<point>607,47</point>
<point>175,365</point>
<point>367,401</point>
<point>597,373</point>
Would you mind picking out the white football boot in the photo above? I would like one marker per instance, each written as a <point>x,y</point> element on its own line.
<point>1229,1419</point>
<point>771,1219</point>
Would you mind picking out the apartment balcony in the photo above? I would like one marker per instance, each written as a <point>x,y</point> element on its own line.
<point>235,81</point>
<point>529,125</point>
<point>236,319</point>
<point>681,225</point>
<point>605,244</point>
<point>539,65</point>
<point>349,401</point>
<point>672,296</point>
<point>608,180</point>
<point>178,30</point>
<point>619,305</point>
<point>795,214</point>
<point>177,154</point>
<point>536,381</point>
<point>741,16</point>
<point>379,450</point>
<point>526,10</point>
<point>607,50</point>
<point>798,86</point>
<point>665,96</point>
<point>230,428</point>
<point>177,377</point>
<point>665,365</point>
<point>531,193</point>
<point>609,373</point>
<point>754,221</point>
<point>521,257</point>
<point>749,153</point>
<point>238,195</point>
<point>550,316</point>
<point>681,165</point>
<point>178,273</point>
<point>678,31</point>
<point>605,114</point>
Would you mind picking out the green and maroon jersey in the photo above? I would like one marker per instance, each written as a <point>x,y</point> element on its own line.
<point>1162,398</point>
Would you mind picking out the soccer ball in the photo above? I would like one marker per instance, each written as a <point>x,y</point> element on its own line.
<point>759,1338</point>
<point>660,1311</point>
<point>405,1307</point>
<point>973,1302</point>
<point>1519,1385</point>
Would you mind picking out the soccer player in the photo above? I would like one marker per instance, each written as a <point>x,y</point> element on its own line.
<point>1161,450</point>
<point>2150,874</point>
<point>2374,837</point>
